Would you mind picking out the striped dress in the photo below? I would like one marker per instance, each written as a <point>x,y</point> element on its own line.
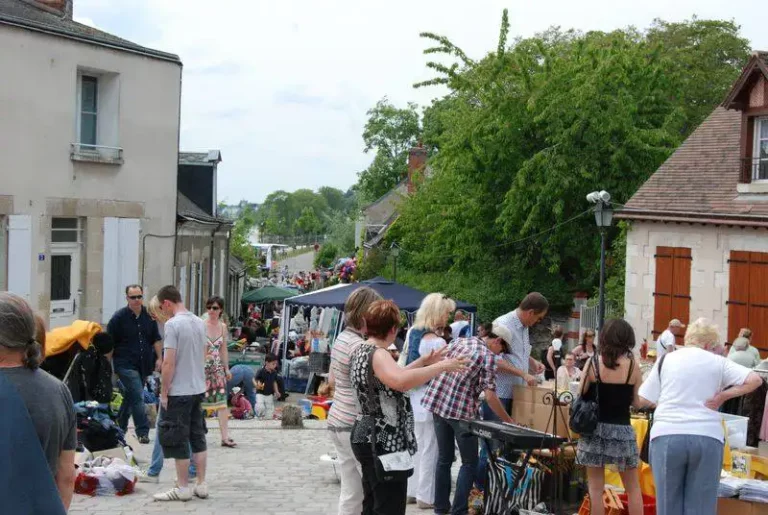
<point>344,409</point>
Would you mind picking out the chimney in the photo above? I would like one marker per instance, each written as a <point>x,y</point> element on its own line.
<point>61,8</point>
<point>417,161</point>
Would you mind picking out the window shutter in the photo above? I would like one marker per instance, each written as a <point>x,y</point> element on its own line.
<point>758,299</point>
<point>681,287</point>
<point>662,296</point>
<point>738,293</point>
<point>121,262</point>
<point>20,255</point>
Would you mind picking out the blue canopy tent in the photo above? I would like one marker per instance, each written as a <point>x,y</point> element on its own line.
<point>407,299</point>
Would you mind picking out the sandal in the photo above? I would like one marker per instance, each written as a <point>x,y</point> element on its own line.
<point>228,443</point>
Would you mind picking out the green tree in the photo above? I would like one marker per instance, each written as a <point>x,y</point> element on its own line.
<point>240,245</point>
<point>390,132</point>
<point>308,223</point>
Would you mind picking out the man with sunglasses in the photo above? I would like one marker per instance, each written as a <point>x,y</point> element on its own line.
<point>138,351</point>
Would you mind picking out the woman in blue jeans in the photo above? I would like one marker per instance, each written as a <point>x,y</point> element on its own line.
<point>687,437</point>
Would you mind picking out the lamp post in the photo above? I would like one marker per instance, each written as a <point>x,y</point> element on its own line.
<point>395,252</point>
<point>603,219</point>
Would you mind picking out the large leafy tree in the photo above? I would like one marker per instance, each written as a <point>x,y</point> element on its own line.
<point>390,132</point>
<point>527,131</point>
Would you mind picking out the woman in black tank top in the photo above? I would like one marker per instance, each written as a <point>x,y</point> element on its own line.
<point>613,444</point>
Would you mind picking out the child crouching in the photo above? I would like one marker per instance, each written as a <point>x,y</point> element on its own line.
<point>266,388</point>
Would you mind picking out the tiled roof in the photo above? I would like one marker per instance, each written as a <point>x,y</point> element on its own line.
<point>188,210</point>
<point>699,181</point>
<point>21,14</point>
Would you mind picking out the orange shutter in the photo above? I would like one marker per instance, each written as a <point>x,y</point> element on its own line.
<point>672,298</point>
<point>738,293</point>
<point>663,294</point>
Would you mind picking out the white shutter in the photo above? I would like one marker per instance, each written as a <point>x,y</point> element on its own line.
<point>121,262</point>
<point>183,284</point>
<point>223,274</point>
<point>20,255</point>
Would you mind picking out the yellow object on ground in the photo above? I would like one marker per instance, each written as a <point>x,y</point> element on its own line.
<point>319,412</point>
<point>62,338</point>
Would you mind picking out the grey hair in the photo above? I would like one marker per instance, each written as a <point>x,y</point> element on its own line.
<point>18,328</point>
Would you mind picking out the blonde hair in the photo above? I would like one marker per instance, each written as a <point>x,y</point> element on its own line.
<point>432,311</point>
<point>154,310</point>
<point>745,333</point>
<point>702,334</point>
<point>357,304</point>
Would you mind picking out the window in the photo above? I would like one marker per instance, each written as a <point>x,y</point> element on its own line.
<point>748,296</point>
<point>760,150</point>
<point>65,230</point>
<point>89,107</point>
<point>672,298</point>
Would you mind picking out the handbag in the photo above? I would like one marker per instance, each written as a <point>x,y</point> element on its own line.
<point>584,412</point>
<point>645,449</point>
<point>393,466</point>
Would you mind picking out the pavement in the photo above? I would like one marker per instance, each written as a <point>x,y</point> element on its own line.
<point>273,471</point>
<point>301,263</point>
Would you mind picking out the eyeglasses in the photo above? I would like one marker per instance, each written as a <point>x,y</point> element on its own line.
<point>135,297</point>
<point>214,308</point>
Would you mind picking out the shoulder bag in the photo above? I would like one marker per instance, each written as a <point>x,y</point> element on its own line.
<point>393,466</point>
<point>584,412</point>
<point>645,449</point>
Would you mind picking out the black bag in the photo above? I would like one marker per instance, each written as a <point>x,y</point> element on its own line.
<point>584,412</point>
<point>382,474</point>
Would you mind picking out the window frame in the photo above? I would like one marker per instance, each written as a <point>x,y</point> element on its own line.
<point>78,229</point>
<point>758,122</point>
<point>80,112</point>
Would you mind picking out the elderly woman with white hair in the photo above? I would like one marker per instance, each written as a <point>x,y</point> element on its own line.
<point>687,437</point>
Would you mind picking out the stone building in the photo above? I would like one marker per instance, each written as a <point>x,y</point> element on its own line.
<point>698,245</point>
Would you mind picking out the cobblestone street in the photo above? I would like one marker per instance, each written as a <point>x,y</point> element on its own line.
<point>272,472</point>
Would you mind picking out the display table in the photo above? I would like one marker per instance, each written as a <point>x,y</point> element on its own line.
<point>738,507</point>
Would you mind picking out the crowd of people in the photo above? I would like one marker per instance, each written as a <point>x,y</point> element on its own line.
<point>396,426</point>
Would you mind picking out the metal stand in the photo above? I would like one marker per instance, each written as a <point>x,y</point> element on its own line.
<point>557,400</point>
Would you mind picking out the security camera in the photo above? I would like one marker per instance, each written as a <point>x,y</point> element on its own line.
<point>604,196</point>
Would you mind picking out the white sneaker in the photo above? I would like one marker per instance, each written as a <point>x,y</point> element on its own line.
<point>144,477</point>
<point>174,494</point>
<point>201,491</point>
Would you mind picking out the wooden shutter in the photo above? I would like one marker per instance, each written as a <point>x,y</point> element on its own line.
<point>672,297</point>
<point>20,255</point>
<point>738,293</point>
<point>748,296</point>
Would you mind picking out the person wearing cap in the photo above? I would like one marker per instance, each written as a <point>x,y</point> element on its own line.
<point>454,397</point>
<point>667,340</point>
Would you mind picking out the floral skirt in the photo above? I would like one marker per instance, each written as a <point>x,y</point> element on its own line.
<point>215,388</point>
<point>611,445</point>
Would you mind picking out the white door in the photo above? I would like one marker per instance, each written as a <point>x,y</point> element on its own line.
<point>65,284</point>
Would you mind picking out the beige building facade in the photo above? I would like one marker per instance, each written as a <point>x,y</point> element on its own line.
<point>89,136</point>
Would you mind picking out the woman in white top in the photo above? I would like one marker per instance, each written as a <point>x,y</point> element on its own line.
<point>568,373</point>
<point>687,387</point>
<point>344,409</point>
<point>432,317</point>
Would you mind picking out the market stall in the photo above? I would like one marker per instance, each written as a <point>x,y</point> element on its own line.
<point>331,301</point>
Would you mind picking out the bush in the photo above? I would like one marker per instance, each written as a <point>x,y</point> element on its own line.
<point>372,265</point>
<point>326,256</point>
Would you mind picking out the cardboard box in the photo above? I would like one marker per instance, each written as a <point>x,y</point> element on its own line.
<point>532,394</point>
<point>117,452</point>
<point>539,417</point>
<point>738,507</point>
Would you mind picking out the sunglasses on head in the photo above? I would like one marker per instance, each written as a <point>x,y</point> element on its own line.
<point>135,297</point>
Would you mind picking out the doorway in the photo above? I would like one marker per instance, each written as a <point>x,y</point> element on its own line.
<point>65,285</point>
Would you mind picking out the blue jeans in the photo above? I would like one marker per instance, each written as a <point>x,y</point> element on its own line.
<point>133,401</point>
<point>488,414</point>
<point>156,464</point>
<point>446,431</point>
<point>242,376</point>
<point>686,470</point>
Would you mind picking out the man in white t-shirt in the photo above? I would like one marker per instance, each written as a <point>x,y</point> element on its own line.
<point>667,340</point>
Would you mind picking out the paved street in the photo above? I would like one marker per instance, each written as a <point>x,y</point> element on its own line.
<point>272,472</point>
<point>301,263</point>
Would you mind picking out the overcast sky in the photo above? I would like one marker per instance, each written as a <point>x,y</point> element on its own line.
<point>281,87</point>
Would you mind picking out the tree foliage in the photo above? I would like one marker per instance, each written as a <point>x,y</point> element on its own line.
<point>390,132</point>
<point>304,211</point>
<point>526,132</point>
<point>239,244</point>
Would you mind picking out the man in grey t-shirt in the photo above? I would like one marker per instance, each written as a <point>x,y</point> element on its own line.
<point>182,424</point>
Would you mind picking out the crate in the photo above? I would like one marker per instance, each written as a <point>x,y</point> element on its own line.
<point>649,504</point>
<point>319,362</point>
<point>613,505</point>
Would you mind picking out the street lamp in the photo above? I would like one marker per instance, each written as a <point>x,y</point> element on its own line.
<point>603,219</point>
<point>395,251</point>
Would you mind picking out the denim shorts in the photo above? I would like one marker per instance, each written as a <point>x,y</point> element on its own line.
<point>182,426</point>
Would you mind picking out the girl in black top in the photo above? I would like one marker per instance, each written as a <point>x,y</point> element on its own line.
<point>613,376</point>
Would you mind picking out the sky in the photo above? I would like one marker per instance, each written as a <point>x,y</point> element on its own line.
<point>282,87</point>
